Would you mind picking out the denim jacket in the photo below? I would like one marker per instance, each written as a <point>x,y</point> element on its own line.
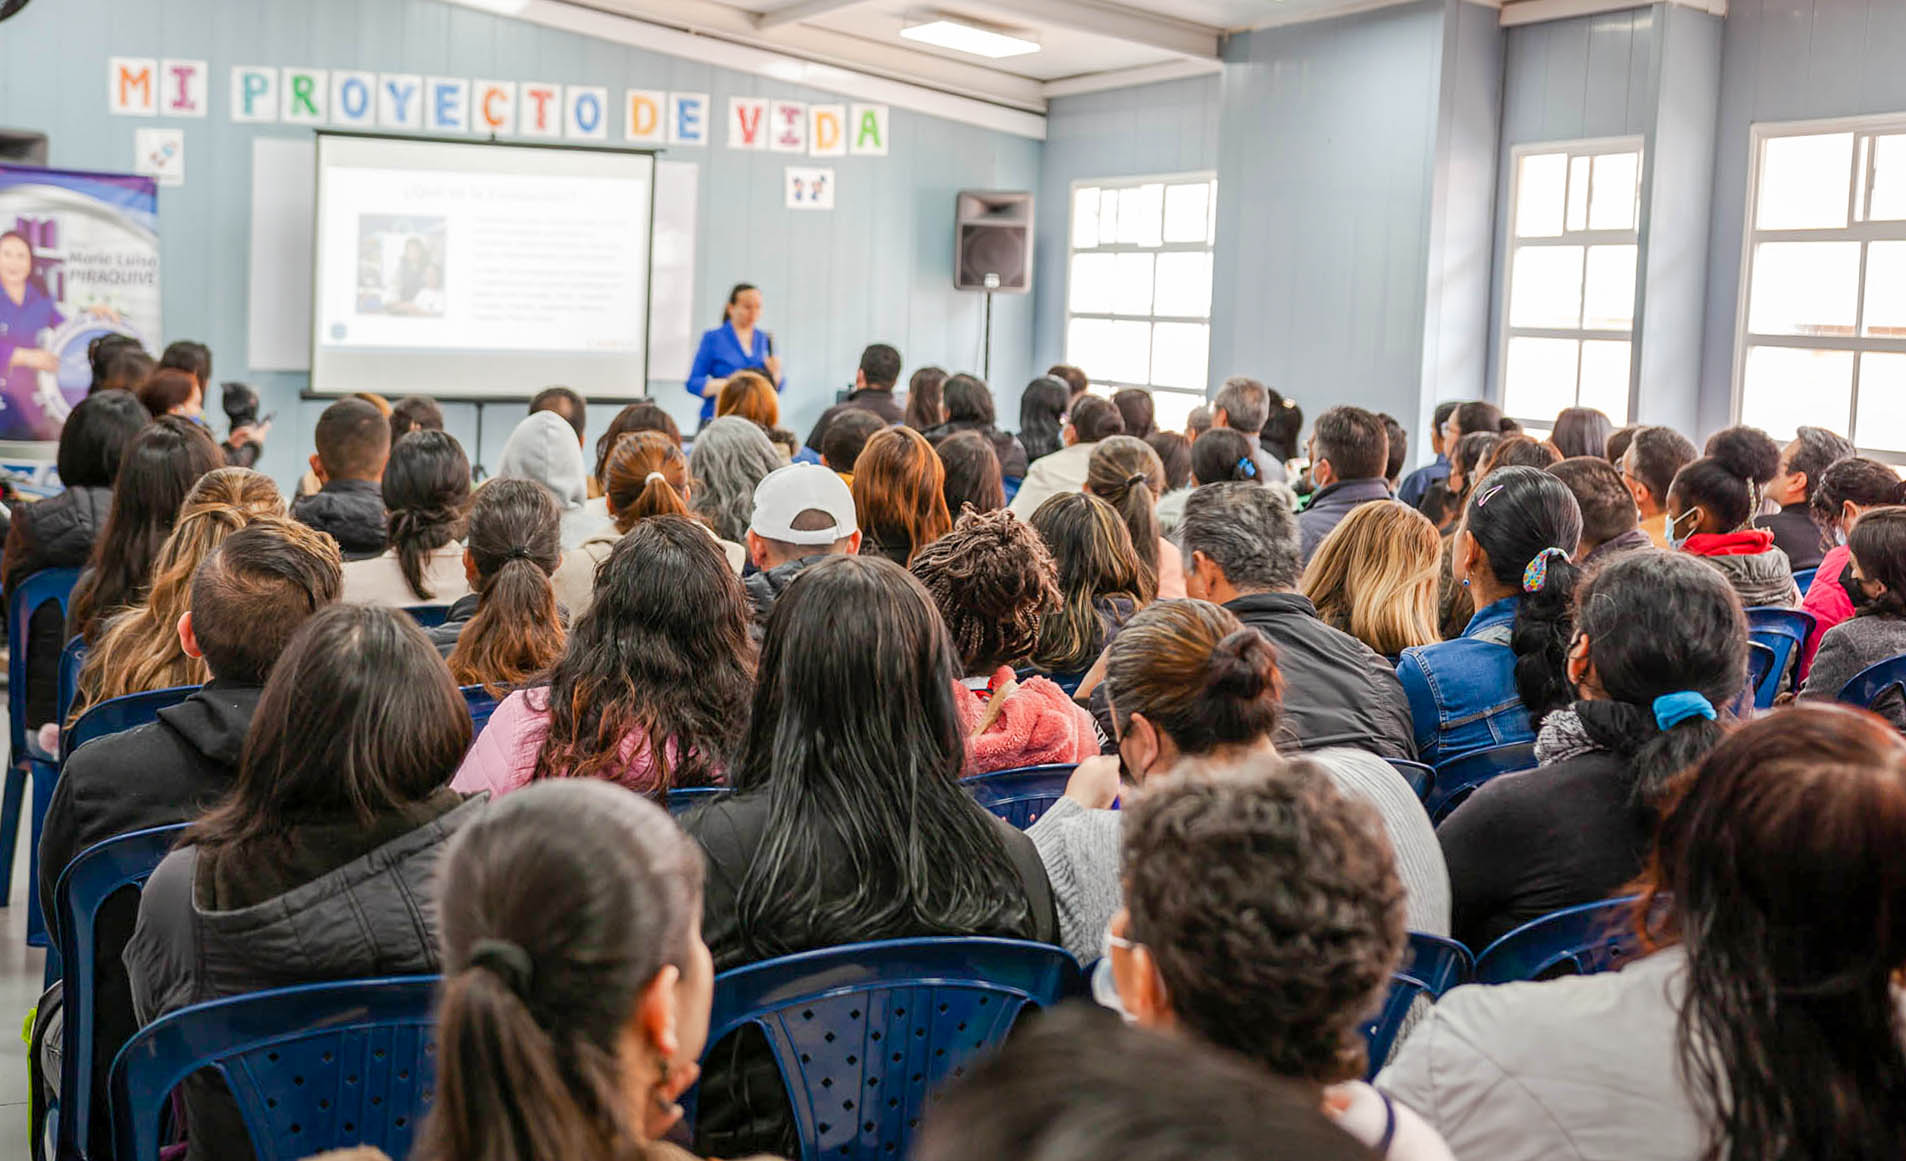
<point>1463,692</point>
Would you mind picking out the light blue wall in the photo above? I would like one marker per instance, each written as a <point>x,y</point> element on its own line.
<point>878,268</point>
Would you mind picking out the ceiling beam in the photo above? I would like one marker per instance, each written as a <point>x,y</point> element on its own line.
<point>798,11</point>
<point>1179,37</point>
<point>1124,78</point>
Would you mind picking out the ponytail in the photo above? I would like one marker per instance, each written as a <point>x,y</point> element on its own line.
<point>645,475</point>
<point>1527,523</point>
<point>1543,627</point>
<point>1654,754</point>
<point>414,535</point>
<point>516,544</point>
<point>1126,473</point>
<point>427,492</point>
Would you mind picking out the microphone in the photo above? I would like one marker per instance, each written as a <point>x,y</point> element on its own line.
<point>769,336</point>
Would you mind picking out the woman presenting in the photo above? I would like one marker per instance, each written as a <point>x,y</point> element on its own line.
<point>735,345</point>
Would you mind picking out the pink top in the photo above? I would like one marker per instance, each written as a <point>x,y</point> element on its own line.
<point>503,758</point>
<point>1826,600</point>
<point>1171,571</point>
<point>1037,725</point>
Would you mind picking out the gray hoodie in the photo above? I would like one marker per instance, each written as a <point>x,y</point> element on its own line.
<point>544,448</point>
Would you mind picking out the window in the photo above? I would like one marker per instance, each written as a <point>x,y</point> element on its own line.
<point>1822,331</point>
<point>1569,303</point>
<point>1138,287</point>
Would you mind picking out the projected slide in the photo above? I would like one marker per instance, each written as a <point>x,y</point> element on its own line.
<point>479,270</point>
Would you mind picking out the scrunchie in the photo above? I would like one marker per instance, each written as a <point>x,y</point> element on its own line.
<point>655,476</point>
<point>1248,466</point>
<point>507,962</point>
<point>1671,709</point>
<point>1537,570</point>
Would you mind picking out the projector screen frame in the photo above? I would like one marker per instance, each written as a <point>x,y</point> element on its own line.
<point>317,185</point>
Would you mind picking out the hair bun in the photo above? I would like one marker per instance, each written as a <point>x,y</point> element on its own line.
<point>1243,666</point>
<point>1747,452</point>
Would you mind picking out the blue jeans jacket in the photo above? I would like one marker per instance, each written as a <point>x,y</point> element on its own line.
<point>1463,692</point>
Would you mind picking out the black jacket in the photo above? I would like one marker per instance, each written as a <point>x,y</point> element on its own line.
<point>153,775</point>
<point>765,586</point>
<point>1012,457</point>
<point>57,532</point>
<point>352,511</point>
<point>880,402</point>
<point>1337,690</point>
<point>1795,534</point>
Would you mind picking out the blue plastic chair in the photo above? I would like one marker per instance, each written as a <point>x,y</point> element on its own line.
<point>116,715</point>
<point>1594,937</point>
<point>1761,662</point>
<point>1458,778</point>
<point>1020,796</point>
<point>312,1068</point>
<point>1804,578</point>
<point>1069,682</point>
<point>25,759</point>
<point>94,876</point>
<point>1431,966</point>
<point>1870,683</point>
<point>429,616</point>
<point>72,658</point>
<point>1422,779</point>
<point>481,704</point>
<point>1785,631</point>
<point>862,1033</point>
<point>683,799</point>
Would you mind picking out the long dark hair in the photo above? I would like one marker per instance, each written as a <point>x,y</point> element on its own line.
<point>599,890</point>
<point>158,468</point>
<point>1098,571</point>
<point>967,399</point>
<point>924,406</point>
<point>734,296</point>
<point>1514,514</point>
<point>663,649</point>
<point>1581,431</point>
<point>1659,623</point>
<point>516,543</point>
<point>972,473</point>
<point>1779,872</point>
<point>1042,416</point>
<point>95,438</point>
<point>1222,456</point>
<point>1878,545</point>
<point>358,718</point>
<point>427,493</point>
<point>863,781</point>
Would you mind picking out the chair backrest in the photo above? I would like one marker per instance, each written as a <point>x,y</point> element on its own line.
<point>1422,779</point>
<point>1803,577</point>
<point>1431,966</point>
<point>1594,937</point>
<point>1019,796</point>
<point>1761,662</point>
<point>1785,631</point>
<point>1458,778</point>
<point>429,616</point>
<point>481,704</point>
<point>1868,684</point>
<point>683,799</point>
<point>862,1033</point>
<point>118,714</point>
<point>49,584</point>
<point>93,876</point>
<point>1069,682</point>
<point>72,658</point>
<point>311,1068</point>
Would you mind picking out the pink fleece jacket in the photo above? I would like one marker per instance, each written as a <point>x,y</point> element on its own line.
<point>1826,600</point>
<point>1038,725</point>
<point>503,758</point>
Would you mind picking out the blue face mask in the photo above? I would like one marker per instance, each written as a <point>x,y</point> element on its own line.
<point>1674,522</point>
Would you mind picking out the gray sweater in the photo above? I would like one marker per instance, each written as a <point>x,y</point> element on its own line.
<point>1851,646</point>
<point>1080,848</point>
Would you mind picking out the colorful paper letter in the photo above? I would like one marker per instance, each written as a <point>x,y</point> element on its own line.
<point>400,101</point>
<point>827,130</point>
<point>747,123</point>
<point>790,127</point>
<point>688,119</point>
<point>586,112</point>
<point>540,110</point>
<point>183,85</point>
<point>447,105</point>
<point>132,86</point>
<point>254,93</point>
<point>353,98</point>
<point>869,131</point>
<point>305,93</point>
<point>495,103</point>
<point>642,110</point>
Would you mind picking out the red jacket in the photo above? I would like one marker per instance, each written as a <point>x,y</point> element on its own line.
<point>1037,725</point>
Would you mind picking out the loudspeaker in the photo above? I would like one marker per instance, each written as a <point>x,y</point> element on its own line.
<point>11,7</point>
<point>992,241</point>
<point>23,146</point>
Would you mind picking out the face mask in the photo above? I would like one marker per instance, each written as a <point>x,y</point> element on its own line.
<point>1674,523</point>
<point>1839,537</point>
<point>1855,591</point>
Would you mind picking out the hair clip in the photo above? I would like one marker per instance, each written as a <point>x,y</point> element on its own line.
<point>1248,466</point>
<point>1488,495</point>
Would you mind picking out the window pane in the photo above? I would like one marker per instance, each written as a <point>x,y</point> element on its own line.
<point>1881,422</point>
<point>1613,204</point>
<point>1889,179</point>
<point>1090,291</point>
<point>1783,388</point>
<point>1803,182</point>
<point>1184,283</point>
<point>1546,287</point>
<point>1132,284</point>
<point>1539,188</point>
<point>1540,380</point>
<point>1187,209</point>
<point>1085,339</point>
<point>1141,211</point>
<point>1172,408</point>
<point>1804,288</point>
<point>1180,353</point>
<point>1886,290</point>
<point>1085,218</point>
<point>1578,193</point>
<point>1108,216</point>
<point>1605,378</point>
<point>1608,295</point>
<point>1117,351</point>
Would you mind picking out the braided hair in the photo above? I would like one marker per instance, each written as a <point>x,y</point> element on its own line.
<point>993,580</point>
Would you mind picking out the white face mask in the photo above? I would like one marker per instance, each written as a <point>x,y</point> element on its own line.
<point>1839,537</point>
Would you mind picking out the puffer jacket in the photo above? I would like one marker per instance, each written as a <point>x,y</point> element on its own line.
<point>352,511</point>
<point>1748,559</point>
<point>57,532</point>
<point>765,586</point>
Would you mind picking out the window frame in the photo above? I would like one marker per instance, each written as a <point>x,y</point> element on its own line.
<point>1571,148</point>
<point>1863,232</point>
<point>1208,246</point>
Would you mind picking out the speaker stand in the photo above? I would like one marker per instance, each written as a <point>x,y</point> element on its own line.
<point>986,352</point>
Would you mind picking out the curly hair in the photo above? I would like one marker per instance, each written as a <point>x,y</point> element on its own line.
<point>727,463</point>
<point>993,581</point>
<point>1272,908</point>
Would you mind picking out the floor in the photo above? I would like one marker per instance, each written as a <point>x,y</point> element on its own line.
<point>20,969</point>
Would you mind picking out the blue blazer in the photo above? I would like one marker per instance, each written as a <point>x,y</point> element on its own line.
<point>720,356</point>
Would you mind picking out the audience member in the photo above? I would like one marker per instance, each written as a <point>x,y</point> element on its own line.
<point>1711,505</point>
<point>1374,577</point>
<point>61,530</point>
<point>544,449</point>
<point>318,865</point>
<point>1092,419</point>
<point>1398,451</point>
<point>1846,491</point>
<point>353,441</point>
<point>1495,683</point>
<point>1581,431</point>
<point>873,391</point>
<point>1127,474</point>
<point>1174,452</point>
<point>1222,456</point>
<point>161,464</point>
<point>1475,416</point>
<point>1436,471</point>
<point>729,460</point>
<point>172,392</point>
<point>1519,451</point>
<point>861,831</point>
<point>1135,408</point>
<point>925,408</point>
<point>567,404</point>
<point>972,473</point>
<point>846,438</point>
<point>1348,456</point>
<point>1648,467</point>
<point>1244,406</point>
<point>642,415</point>
<point>1611,525</point>
<point>1812,452</point>
<point>1283,424</point>
<point>1444,506</point>
<point>803,514</point>
<point>900,494</point>
<point>1877,629</point>
<point>1264,916</point>
<point>750,396</point>
<point>124,368</point>
<point>993,581</point>
<point>647,689</point>
<point>194,358</point>
<point>1076,380</point>
<point>969,407</point>
<point>414,413</point>
<point>508,629</point>
<point>1101,583</point>
<point>1241,551</point>
<point>1618,441</point>
<point>142,649</point>
<point>100,350</point>
<point>577,986</point>
<point>1660,651</point>
<point>1078,1085</point>
<point>426,492</point>
<point>1042,417</point>
<point>1197,422</point>
<point>1768,1023</point>
<point>1188,680</point>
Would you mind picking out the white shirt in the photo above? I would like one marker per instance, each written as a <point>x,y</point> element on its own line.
<point>380,579</point>
<point>1062,471</point>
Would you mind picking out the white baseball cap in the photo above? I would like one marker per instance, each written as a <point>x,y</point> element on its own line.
<point>787,492</point>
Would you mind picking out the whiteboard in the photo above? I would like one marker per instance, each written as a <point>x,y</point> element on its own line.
<point>672,336</point>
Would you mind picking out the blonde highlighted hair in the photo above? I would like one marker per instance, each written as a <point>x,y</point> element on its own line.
<point>1375,577</point>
